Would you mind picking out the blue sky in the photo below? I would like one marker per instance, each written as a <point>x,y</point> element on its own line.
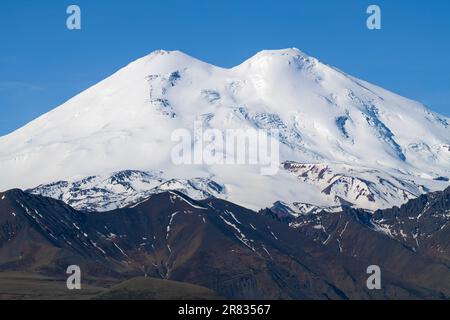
<point>42,64</point>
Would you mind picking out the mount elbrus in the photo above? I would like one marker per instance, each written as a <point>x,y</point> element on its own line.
<point>359,183</point>
<point>343,141</point>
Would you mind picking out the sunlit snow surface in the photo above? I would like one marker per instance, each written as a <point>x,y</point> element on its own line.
<point>344,140</point>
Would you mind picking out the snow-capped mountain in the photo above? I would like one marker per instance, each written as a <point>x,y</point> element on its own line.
<point>124,188</point>
<point>343,140</point>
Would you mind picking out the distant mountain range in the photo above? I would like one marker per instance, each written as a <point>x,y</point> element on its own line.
<point>236,252</point>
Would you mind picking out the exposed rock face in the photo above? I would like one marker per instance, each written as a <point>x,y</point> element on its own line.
<point>234,251</point>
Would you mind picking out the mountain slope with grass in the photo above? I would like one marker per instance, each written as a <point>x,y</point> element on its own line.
<point>236,252</point>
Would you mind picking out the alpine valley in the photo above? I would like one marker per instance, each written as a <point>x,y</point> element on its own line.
<point>363,180</point>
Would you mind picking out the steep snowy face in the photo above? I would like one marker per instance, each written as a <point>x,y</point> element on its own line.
<point>356,121</point>
<point>379,149</point>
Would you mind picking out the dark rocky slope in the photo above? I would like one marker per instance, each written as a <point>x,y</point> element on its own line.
<point>234,251</point>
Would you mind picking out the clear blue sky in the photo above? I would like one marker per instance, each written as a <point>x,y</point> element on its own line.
<point>42,64</point>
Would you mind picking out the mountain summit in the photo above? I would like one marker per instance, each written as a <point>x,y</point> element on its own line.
<point>343,141</point>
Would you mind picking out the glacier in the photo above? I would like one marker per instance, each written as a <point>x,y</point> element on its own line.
<point>343,141</point>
